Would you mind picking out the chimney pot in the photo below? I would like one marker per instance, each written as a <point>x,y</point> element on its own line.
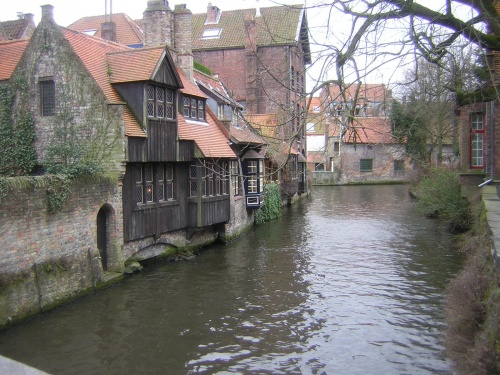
<point>47,12</point>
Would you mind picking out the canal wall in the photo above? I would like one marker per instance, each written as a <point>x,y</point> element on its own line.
<point>52,258</point>
<point>489,196</point>
<point>48,258</point>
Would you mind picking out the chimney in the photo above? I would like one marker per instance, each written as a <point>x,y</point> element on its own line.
<point>213,14</point>
<point>251,65</point>
<point>47,12</point>
<point>158,24</point>
<point>183,21</point>
<point>257,9</point>
<point>30,17</point>
<point>108,31</point>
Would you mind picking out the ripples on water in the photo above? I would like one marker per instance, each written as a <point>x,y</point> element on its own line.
<point>349,282</point>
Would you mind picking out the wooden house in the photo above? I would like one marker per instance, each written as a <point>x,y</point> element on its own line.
<point>156,134</point>
<point>247,173</point>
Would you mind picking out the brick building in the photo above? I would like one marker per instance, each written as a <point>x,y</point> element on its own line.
<point>261,55</point>
<point>359,146</point>
<point>22,28</point>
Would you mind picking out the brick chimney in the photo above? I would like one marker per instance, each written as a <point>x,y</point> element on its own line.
<point>251,65</point>
<point>47,12</point>
<point>108,31</point>
<point>213,14</point>
<point>183,20</point>
<point>158,24</point>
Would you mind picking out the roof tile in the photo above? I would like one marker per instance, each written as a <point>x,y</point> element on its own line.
<point>134,65</point>
<point>276,26</point>
<point>128,31</point>
<point>10,54</point>
<point>207,136</point>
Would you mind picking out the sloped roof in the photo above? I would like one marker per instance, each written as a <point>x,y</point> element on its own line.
<point>375,92</point>
<point>10,54</point>
<point>369,130</point>
<point>277,26</point>
<point>208,137</point>
<point>215,86</point>
<point>18,29</point>
<point>134,65</point>
<point>93,52</point>
<point>241,132</point>
<point>128,32</point>
<point>189,87</point>
<point>265,124</point>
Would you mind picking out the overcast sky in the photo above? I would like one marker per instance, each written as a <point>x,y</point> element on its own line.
<point>68,11</point>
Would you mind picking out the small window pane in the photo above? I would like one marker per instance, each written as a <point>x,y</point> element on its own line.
<point>151,93</point>
<point>151,109</point>
<point>160,94</point>
<point>48,98</point>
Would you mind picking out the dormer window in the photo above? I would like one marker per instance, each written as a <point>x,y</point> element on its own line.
<point>211,33</point>
<point>193,108</point>
<point>160,102</point>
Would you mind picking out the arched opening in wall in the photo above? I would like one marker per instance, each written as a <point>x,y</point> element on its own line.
<point>104,234</point>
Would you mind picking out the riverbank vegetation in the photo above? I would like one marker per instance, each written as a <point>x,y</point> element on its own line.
<point>473,306</point>
<point>438,193</point>
<point>473,297</point>
<point>272,204</point>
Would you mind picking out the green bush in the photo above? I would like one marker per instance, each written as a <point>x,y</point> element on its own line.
<point>272,204</point>
<point>438,194</point>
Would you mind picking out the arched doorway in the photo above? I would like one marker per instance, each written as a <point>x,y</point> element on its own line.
<point>103,236</point>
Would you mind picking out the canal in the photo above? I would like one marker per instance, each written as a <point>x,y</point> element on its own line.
<point>349,281</point>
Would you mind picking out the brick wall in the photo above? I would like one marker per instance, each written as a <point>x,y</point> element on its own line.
<point>48,259</point>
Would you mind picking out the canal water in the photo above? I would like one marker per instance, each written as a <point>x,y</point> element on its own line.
<point>349,281</point>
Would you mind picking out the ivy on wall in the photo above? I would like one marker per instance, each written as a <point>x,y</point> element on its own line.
<point>18,157</point>
<point>272,204</point>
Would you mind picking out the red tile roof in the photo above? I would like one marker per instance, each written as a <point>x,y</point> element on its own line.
<point>134,64</point>
<point>128,32</point>
<point>207,136</point>
<point>10,54</point>
<point>189,87</point>
<point>93,52</point>
<point>375,92</point>
<point>368,130</point>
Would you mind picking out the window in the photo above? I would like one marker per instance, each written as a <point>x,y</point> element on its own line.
<point>220,111</point>
<point>47,97</point>
<point>193,108</point>
<point>211,33</point>
<point>154,183</point>
<point>366,165</point>
<point>160,102</point>
<point>213,179</point>
<point>476,140</point>
<point>255,176</point>
<point>399,167</point>
<point>336,146</point>
<point>165,182</point>
<point>235,177</point>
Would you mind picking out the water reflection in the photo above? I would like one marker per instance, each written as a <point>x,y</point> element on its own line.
<point>348,282</point>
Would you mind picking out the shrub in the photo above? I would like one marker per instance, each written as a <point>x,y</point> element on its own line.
<point>272,204</point>
<point>438,194</point>
<point>473,310</point>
